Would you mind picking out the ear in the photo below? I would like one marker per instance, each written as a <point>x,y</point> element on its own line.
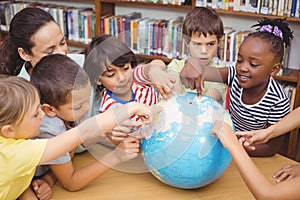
<point>25,56</point>
<point>8,131</point>
<point>48,110</point>
<point>99,82</point>
<point>276,69</point>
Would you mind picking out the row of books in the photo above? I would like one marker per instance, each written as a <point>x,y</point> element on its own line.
<point>288,8</point>
<point>77,23</point>
<point>145,35</point>
<point>173,2</point>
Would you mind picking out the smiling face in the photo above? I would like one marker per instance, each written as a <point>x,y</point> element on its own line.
<point>203,47</point>
<point>48,40</point>
<point>118,80</point>
<point>255,63</point>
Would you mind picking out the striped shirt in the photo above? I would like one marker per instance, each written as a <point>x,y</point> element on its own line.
<point>270,109</point>
<point>142,91</point>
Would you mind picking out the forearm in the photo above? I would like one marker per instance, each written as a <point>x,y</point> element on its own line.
<point>288,123</point>
<point>28,194</point>
<point>259,186</point>
<point>80,178</point>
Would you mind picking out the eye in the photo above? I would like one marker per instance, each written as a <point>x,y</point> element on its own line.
<point>211,44</point>
<point>63,42</point>
<point>36,114</point>
<point>77,107</point>
<point>50,51</point>
<point>254,64</point>
<point>126,68</point>
<point>109,75</point>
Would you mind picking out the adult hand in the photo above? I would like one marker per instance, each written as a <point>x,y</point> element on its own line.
<point>191,75</point>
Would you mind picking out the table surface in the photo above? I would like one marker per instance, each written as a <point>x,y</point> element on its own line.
<point>115,184</point>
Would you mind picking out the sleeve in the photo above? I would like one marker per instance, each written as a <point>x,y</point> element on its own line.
<point>175,66</point>
<point>231,74</point>
<point>139,77</point>
<point>29,155</point>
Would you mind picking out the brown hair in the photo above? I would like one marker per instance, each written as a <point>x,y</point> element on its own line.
<point>204,21</point>
<point>22,27</point>
<point>55,76</point>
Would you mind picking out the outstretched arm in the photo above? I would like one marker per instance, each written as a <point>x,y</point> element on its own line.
<point>194,74</point>
<point>259,186</point>
<point>92,129</point>
<point>289,122</point>
<point>162,81</point>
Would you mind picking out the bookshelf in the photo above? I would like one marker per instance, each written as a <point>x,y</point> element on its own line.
<point>293,76</point>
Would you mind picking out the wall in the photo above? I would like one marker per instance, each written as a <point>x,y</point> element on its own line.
<point>235,21</point>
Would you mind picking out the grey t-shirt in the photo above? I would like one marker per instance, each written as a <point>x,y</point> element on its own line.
<point>51,127</point>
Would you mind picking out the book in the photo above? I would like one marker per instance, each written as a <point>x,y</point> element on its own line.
<point>126,20</point>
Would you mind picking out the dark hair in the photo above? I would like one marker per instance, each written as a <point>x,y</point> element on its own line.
<point>55,76</point>
<point>22,27</point>
<point>275,41</point>
<point>106,50</point>
<point>204,21</point>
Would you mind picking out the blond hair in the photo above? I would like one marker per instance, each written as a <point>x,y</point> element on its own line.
<point>17,97</point>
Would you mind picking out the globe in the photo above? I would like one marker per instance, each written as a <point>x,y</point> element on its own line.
<point>180,149</point>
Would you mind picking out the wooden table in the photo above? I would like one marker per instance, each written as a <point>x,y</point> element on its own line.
<point>140,186</point>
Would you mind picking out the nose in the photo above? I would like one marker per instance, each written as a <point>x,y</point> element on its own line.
<point>121,76</point>
<point>203,49</point>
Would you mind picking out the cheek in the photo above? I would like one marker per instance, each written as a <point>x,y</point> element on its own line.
<point>213,51</point>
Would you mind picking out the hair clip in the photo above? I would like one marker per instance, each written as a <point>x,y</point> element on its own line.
<point>275,30</point>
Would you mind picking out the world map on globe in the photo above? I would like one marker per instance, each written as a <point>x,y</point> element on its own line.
<point>181,151</point>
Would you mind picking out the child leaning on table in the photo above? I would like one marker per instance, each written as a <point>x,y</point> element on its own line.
<point>202,31</point>
<point>65,97</point>
<point>113,70</point>
<point>21,117</point>
<point>288,123</point>
<point>256,99</point>
<point>259,185</point>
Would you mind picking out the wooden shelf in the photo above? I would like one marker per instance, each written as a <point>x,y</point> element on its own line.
<point>292,76</point>
<point>156,5</point>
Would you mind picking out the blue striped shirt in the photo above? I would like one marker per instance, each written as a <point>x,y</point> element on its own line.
<point>270,109</point>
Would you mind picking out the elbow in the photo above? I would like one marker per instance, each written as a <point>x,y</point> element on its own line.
<point>72,188</point>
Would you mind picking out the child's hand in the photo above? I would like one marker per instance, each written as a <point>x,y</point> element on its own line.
<point>191,75</point>
<point>224,133</point>
<point>250,138</point>
<point>42,189</point>
<point>143,111</point>
<point>122,131</point>
<point>287,172</point>
<point>128,149</point>
<point>163,81</point>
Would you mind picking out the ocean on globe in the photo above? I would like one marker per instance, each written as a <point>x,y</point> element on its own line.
<point>181,150</point>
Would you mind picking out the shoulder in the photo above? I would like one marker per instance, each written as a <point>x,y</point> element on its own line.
<point>176,65</point>
<point>51,126</point>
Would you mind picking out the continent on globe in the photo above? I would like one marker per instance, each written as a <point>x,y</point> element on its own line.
<point>181,150</point>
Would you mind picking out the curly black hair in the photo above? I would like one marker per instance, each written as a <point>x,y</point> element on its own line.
<point>276,42</point>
